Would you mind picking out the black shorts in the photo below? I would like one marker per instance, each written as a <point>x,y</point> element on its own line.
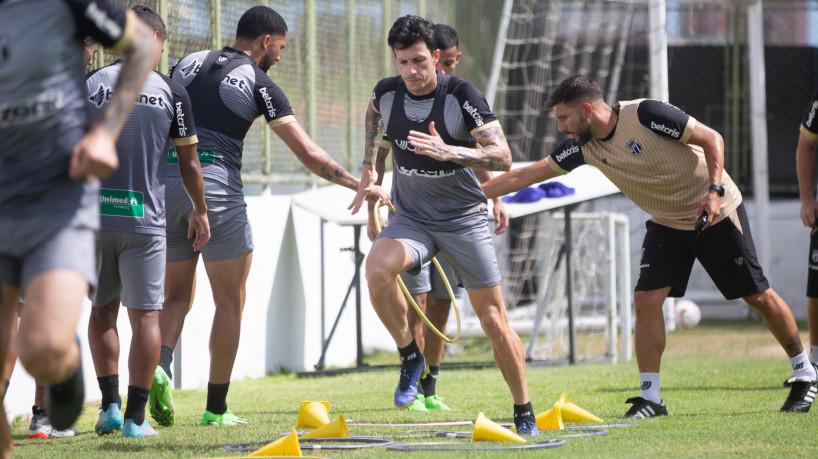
<point>812,266</point>
<point>726,252</point>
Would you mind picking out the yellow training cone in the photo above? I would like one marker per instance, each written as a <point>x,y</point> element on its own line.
<point>284,446</point>
<point>551,419</point>
<point>572,413</point>
<point>487,430</point>
<point>335,429</point>
<point>313,414</point>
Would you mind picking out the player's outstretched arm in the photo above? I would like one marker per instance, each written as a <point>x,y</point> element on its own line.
<point>713,145</point>
<point>95,153</point>
<point>191,172</point>
<point>805,164</point>
<point>518,179</point>
<point>374,163</point>
<point>316,160</point>
<point>492,152</point>
<point>500,215</point>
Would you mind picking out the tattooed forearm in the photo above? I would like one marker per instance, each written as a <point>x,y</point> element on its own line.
<point>374,131</point>
<point>493,153</point>
<point>333,172</point>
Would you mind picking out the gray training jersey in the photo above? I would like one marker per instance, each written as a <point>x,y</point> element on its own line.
<point>228,91</point>
<point>132,199</point>
<point>440,194</point>
<point>42,108</point>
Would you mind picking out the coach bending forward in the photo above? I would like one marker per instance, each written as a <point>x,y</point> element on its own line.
<point>670,166</point>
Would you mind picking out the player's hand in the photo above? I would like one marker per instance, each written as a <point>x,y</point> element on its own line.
<point>200,226</point>
<point>710,203</point>
<point>809,212</point>
<point>94,155</point>
<point>500,217</point>
<point>372,228</point>
<point>431,145</point>
<point>368,191</point>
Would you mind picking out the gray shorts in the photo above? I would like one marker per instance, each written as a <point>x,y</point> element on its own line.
<point>31,248</point>
<point>470,250</point>
<point>429,280</point>
<point>131,267</point>
<point>230,232</point>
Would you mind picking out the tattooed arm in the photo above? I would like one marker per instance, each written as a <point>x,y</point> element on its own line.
<point>374,162</point>
<point>492,152</point>
<point>95,154</point>
<point>318,161</point>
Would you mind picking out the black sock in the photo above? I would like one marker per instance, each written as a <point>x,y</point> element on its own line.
<point>165,359</point>
<point>428,382</point>
<point>217,397</point>
<point>109,386</point>
<point>410,353</point>
<point>38,410</point>
<point>135,409</point>
<point>523,411</point>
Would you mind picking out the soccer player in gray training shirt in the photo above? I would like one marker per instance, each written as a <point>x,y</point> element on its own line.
<point>440,128</point>
<point>229,89</point>
<point>49,154</point>
<point>131,265</point>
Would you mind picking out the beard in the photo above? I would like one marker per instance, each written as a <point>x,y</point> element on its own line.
<point>584,133</point>
<point>266,62</point>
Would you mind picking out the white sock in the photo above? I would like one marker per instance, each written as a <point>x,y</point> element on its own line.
<point>801,366</point>
<point>650,387</point>
<point>813,354</point>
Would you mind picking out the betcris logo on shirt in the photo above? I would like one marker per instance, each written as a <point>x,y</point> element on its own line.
<point>268,102</point>
<point>665,129</point>
<point>180,120</point>
<point>478,120</point>
<point>568,152</point>
<point>811,115</point>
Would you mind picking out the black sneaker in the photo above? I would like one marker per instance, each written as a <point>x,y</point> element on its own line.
<point>802,394</point>
<point>64,401</point>
<point>526,425</point>
<point>645,408</point>
<point>788,382</point>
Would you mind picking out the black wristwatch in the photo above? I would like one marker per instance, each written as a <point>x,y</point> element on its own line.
<point>719,189</point>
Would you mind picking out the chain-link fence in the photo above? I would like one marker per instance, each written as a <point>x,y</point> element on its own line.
<point>335,54</point>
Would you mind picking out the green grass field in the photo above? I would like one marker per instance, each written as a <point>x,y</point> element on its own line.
<point>721,383</point>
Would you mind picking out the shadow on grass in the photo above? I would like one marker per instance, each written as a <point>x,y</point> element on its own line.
<point>701,388</point>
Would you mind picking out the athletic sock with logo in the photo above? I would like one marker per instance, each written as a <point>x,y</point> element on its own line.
<point>430,381</point>
<point>521,411</point>
<point>135,409</point>
<point>801,366</point>
<point>165,359</point>
<point>217,397</point>
<point>109,386</point>
<point>650,387</point>
<point>813,354</point>
<point>410,353</point>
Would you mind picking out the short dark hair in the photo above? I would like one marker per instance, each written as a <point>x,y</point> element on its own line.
<point>260,20</point>
<point>409,30</point>
<point>446,36</point>
<point>152,19</point>
<point>572,89</point>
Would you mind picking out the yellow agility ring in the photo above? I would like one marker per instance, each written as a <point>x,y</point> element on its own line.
<point>409,295</point>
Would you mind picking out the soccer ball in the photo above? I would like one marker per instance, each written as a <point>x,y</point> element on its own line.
<point>688,314</point>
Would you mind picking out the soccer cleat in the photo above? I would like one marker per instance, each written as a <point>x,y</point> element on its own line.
<point>433,402</point>
<point>526,425</point>
<point>418,405</point>
<point>132,430</point>
<point>41,427</point>
<point>109,420</point>
<point>225,419</point>
<point>645,408</point>
<point>802,394</point>
<point>788,382</point>
<point>64,400</point>
<point>410,376</point>
<point>161,400</point>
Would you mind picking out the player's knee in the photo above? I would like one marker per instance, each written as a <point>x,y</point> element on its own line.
<point>766,302</point>
<point>377,273</point>
<point>648,302</point>
<point>494,323</point>
<point>42,358</point>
